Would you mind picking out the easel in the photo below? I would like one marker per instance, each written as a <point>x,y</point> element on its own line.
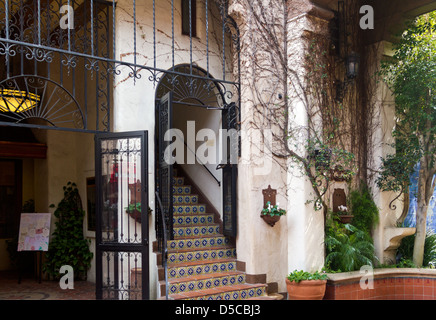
<point>33,237</point>
<point>37,257</point>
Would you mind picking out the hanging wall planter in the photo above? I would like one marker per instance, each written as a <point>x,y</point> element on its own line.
<point>271,213</point>
<point>134,211</point>
<point>345,218</point>
<point>271,220</point>
<point>135,214</point>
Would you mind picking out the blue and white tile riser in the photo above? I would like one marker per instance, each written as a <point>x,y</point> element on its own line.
<point>178,190</point>
<point>179,220</point>
<point>185,199</point>
<point>202,255</point>
<point>178,181</point>
<point>197,231</point>
<point>199,243</point>
<point>210,267</point>
<point>222,280</point>
<point>241,294</point>
<point>189,209</point>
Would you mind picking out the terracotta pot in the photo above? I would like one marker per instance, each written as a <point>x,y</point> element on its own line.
<point>346,218</point>
<point>306,289</point>
<point>271,220</point>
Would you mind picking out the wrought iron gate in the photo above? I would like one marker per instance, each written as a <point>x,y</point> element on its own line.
<point>165,167</point>
<point>230,171</point>
<point>122,243</point>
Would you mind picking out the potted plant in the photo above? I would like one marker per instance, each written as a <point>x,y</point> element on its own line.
<point>303,285</point>
<point>272,213</point>
<point>344,217</point>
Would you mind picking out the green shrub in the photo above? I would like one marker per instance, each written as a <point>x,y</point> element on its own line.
<point>364,210</point>
<point>297,276</point>
<point>405,250</point>
<point>68,245</point>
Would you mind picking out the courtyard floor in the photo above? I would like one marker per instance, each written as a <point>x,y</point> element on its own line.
<point>31,289</point>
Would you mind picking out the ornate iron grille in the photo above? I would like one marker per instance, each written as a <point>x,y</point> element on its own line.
<point>59,66</point>
<point>46,58</point>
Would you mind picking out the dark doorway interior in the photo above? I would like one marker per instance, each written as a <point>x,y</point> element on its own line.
<point>10,197</point>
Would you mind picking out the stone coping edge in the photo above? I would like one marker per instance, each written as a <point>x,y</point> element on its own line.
<point>343,277</point>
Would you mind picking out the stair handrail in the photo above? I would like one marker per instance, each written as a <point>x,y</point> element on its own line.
<point>164,249</point>
<point>204,166</point>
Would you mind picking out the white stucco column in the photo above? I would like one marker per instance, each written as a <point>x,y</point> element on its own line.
<point>305,225</point>
<point>386,234</point>
<point>297,240</point>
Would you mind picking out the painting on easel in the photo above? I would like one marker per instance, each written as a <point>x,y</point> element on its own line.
<point>34,232</point>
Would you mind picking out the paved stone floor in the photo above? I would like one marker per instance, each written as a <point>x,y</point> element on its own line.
<point>31,289</point>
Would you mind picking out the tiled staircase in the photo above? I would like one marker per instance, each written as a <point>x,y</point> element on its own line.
<point>201,261</point>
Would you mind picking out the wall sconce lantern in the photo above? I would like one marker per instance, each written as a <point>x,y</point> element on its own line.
<point>352,65</point>
<point>352,70</point>
<point>351,60</point>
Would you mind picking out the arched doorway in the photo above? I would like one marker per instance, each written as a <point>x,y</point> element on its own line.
<point>196,119</point>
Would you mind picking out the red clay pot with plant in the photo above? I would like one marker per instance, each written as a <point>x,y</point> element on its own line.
<point>306,289</point>
<point>303,285</point>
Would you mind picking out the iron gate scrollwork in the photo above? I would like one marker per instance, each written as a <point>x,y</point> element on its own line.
<point>55,68</point>
<point>122,244</point>
<point>34,97</point>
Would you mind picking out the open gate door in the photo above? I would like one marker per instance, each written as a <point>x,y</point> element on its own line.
<point>165,167</point>
<point>230,170</point>
<point>122,244</point>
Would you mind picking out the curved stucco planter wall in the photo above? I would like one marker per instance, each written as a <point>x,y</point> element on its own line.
<point>383,284</point>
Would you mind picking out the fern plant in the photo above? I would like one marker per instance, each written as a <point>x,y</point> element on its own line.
<point>348,248</point>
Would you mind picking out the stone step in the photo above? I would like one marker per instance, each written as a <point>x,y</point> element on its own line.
<point>198,242</point>
<point>192,219</point>
<point>192,255</point>
<point>197,268</point>
<point>235,292</point>
<point>196,230</point>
